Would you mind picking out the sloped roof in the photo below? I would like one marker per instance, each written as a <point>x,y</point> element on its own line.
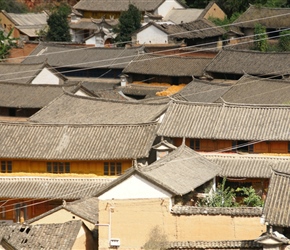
<point>31,30</point>
<point>276,208</point>
<point>50,187</point>
<point>73,109</point>
<point>201,91</point>
<point>255,90</point>
<point>230,61</point>
<point>226,121</point>
<point>232,211</point>
<point>42,236</point>
<point>81,57</point>
<point>198,29</point>
<point>201,28</point>
<point>179,172</point>
<point>20,19</point>
<point>226,244</point>
<point>117,5</point>
<point>142,90</point>
<point>86,208</point>
<point>75,142</point>
<point>183,15</point>
<point>28,95</point>
<point>248,166</point>
<point>276,18</point>
<point>84,23</point>
<point>19,73</point>
<point>167,65</point>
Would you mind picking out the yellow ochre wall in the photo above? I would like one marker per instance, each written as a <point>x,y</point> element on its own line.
<point>7,25</point>
<point>76,167</point>
<point>207,145</point>
<point>100,15</point>
<point>216,12</point>
<point>133,220</point>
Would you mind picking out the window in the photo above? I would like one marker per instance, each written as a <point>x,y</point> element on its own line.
<point>112,168</point>
<point>243,146</point>
<point>6,166</point>
<point>194,144</point>
<point>58,167</point>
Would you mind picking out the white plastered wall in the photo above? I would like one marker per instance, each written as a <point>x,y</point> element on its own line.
<point>168,5</point>
<point>152,35</point>
<point>134,187</point>
<point>46,77</point>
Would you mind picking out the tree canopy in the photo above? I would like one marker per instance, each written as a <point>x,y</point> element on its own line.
<point>12,6</point>
<point>58,25</point>
<point>6,43</point>
<point>129,22</point>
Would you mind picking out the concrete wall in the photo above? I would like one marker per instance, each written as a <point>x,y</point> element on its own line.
<point>131,221</point>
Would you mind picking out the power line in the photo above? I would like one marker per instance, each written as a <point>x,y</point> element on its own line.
<point>110,64</point>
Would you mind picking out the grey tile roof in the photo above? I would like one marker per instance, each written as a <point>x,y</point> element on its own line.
<point>250,89</point>
<point>249,166</point>
<point>232,211</point>
<point>276,208</point>
<point>226,121</point>
<point>116,5</point>
<point>227,244</point>
<point>42,236</point>
<point>73,109</point>
<point>198,29</point>
<point>142,90</point>
<point>50,187</point>
<point>230,61</point>
<point>84,24</point>
<point>28,95</point>
<point>76,142</point>
<point>85,208</point>
<point>179,172</point>
<point>81,57</point>
<point>275,18</point>
<point>183,15</point>
<point>20,19</point>
<point>167,65</point>
<point>201,28</point>
<point>201,91</point>
<point>19,73</point>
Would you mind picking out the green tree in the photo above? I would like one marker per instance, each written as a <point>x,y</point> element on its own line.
<point>284,41</point>
<point>6,44</point>
<point>58,25</point>
<point>129,22</point>
<point>260,38</point>
<point>222,197</point>
<point>251,199</point>
<point>12,6</point>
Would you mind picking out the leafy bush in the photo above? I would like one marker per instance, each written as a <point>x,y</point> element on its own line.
<point>284,40</point>
<point>251,199</point>
<point>260,38</point>
<point>222,197</point>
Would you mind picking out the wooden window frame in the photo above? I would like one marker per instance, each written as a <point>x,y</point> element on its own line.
<point>56,167</point>
<point>112,168</point>
<point>194,144</point>
<point>6,166</point>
